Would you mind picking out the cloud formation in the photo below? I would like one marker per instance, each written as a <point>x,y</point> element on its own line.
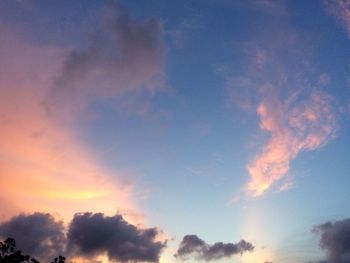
<point>280,85</point>
<point>38,234</point>
<point>92,234</point>
<point>193,245</point>
<point>335,240</point>
<point>88,236</point>
<point>122,55</point>
<point>294,125</point>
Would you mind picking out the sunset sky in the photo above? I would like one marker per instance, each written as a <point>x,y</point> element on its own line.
<point>226,120</point>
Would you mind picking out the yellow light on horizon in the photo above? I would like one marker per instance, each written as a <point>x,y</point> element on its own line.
<point>82,195</point>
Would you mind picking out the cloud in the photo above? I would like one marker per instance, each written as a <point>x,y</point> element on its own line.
<point>279,84</point>
<point>89,235</point>
<point>340,9</point>
<point>335,240</point>
<point>38,234</point>
<point>45,164</point>
<point>294,125</point>
<point>193,245</point>
<point>122,55</point>
<point>92,234</point>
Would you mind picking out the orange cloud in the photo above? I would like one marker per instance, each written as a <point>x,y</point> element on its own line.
<point>294,126</point>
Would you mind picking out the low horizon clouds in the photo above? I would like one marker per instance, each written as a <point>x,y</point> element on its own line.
<point>38,234</point>
<point>88,236</point>
<point>192,245</point>
<point>335,240</point>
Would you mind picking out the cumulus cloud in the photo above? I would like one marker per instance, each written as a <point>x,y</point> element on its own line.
<point>193,245</point>
<point>335,240</point>
<point>92,234</point>
<point>340,9</point>
<point>88,236</point>
<point>38,234</point>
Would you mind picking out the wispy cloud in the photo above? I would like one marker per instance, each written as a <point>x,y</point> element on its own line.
<point>281,86</point>
<point>340,9</point>
<point>123,56</point>
<point>293,126</point>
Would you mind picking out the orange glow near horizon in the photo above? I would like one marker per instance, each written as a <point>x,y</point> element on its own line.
<point>44,166</point>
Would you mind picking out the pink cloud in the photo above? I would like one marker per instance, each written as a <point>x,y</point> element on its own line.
<point>275,81</point>
<point>294,126</point>
<point>287,185</point>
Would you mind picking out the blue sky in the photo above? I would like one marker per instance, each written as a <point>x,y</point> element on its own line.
<point>224,119</point>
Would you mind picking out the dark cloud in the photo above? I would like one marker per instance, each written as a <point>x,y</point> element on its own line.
<point>193,245</point>
<point>91,234</point>
<point>38,234</point>
<point>121,55</point>
<point>335,240</point>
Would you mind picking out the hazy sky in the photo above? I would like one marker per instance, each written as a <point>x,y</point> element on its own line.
<point>226,119</point>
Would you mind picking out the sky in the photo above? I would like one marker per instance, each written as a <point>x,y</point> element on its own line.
<point>176,131</point>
